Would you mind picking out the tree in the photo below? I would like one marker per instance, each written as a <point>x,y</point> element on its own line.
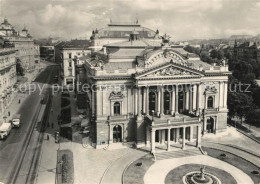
<point>19,68</point>
<point>239,104</point>
<point>253,117</point>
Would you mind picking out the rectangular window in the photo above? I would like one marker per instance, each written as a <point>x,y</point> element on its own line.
<point>70,55</point>
<point>69,64</point>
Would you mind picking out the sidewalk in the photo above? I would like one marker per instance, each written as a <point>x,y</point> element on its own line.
<point>14,106</point>
<point>233,137</point>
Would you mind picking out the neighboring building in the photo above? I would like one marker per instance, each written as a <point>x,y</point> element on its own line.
<point>70,52</point>
<point>247,49</point>
<point>8,76</point>
<point>22,42</point>
<point>37,53</point>
<point>142,92</point>
<point>57,52</point>
<point>47,52</point>
<point>117,32</point>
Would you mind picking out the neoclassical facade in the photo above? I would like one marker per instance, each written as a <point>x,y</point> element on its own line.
<point>154,93</point>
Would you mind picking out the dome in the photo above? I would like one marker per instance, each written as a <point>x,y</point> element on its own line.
<point>124,30</point>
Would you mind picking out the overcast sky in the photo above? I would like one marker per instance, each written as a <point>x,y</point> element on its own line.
<point>182,19</point>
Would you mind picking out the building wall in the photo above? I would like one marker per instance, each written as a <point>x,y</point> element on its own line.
<point>7,77</point>
<point>68,63</point>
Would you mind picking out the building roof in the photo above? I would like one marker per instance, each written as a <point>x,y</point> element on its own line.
<point>75,44</point>
<point>121,66</point>
<point>123,30</point>
<point>140,43</point>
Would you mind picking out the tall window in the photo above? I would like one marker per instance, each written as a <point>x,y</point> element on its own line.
<point>69,64</point>
<point>70,55</point>
<point>116,108</point>
<point>210,102</point>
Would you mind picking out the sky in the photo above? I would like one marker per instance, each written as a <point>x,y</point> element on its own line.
<point>181,19</point>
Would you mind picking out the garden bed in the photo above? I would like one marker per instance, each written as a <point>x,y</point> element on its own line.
<point>65,167</point>
<point>65,102</point>
<point>135,172</point>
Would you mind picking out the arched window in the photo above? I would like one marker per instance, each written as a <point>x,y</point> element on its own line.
<point>210,102</point>
<point>116,108</point>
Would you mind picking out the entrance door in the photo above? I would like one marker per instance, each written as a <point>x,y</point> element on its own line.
<point>117,133</point>
<point>210,125</point>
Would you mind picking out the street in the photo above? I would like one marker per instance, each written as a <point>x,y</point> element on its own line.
<point>10,149</point>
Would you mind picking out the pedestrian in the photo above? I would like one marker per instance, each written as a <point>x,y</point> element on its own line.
<point>19,101</point>
<point>52,125</point>
<point>48,124</point>
<point>9,113</point>
<point>48,137</point>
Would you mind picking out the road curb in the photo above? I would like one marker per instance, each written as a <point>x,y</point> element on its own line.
<point>248,136</point>
<point>109,166</point>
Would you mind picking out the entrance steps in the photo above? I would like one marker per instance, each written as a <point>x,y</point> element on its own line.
<point>177,154</point>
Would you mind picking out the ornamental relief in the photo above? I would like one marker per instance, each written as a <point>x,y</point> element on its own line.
<point>116,95</point>
<point>210,89</point>
<point>170,71</point>
<point>166,56</point>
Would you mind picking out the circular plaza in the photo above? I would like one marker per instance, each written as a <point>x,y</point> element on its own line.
<point>216,167</point>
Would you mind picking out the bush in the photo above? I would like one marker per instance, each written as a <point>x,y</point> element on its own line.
<point>67,168</point>
<point>66,115</point>
<point>65,102</point>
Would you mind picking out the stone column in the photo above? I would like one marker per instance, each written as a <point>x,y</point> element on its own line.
<point>147,100</point>
<point>225,94</point>
<point>159,102</point>
<point>160,136</point>
<point>110,134</point>
<point>169,140</point>
<point>163,136</point>
<point>198,100</point>
<point>183,137</point>
<point>221,94</point>
<point>162,101</point>
<point>176,100</point>
<point>190,99</point>
<point>93,101</point>
<point>194,96</point>
<point>104,102</point>
<point>99,101</point>
<point>187,98</point>
<point>136,101</point>
<point>139,102</point>
<point>177,134</point>
<point>148,136</point>
<point>153,141</point>
<point>191,133</point>
<point>198,144</point>
<point>144,100</point>
<point>204,125</point>
<point>173,102</point>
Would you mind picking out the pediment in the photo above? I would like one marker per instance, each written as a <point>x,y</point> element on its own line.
<point>169,71</point>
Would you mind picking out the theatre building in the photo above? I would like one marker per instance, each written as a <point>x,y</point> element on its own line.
<point>151,92</point>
